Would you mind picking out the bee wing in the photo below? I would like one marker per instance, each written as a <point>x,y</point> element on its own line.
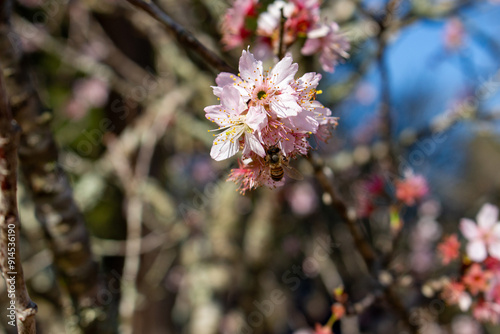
<point>292,172</point>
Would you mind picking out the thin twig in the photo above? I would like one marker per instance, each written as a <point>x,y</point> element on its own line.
<point>131,181</point>
<point>367,253</point>
<point>183,36</point>
<point>282,35</point>
<point>10,259</point>
<point>347,216</point>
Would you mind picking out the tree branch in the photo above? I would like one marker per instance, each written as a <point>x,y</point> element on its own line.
<point>364,248</point>
<point>183,36</point>
<point>10,259</point>
<point>55,208</point>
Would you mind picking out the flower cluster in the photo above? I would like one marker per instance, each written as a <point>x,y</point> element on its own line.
<point>478,288</point>
<point>262,112</point>
<point>248,20</point>
<point>374,192</point>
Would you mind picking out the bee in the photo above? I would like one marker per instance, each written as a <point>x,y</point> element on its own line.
<point>278,165</point>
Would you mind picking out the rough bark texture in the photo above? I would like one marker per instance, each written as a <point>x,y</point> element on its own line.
<point>56,210</point>
<point>10,259</point>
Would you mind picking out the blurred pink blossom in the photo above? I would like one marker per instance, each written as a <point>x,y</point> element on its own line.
<point>301,16</point>
<point>454,294</point>
<point>449,249</point>
<point>486,311</point>
<point>411,189</point>
<point>302,199</point>
<point>484,237</point>
<point>87,94</point>
<point>319,329</point>
<point>331,44</point>
<point>454,34</point>
<point>338,310</point>
<point>234,29</point>
<point>465,325</point>
<point>476,279</point>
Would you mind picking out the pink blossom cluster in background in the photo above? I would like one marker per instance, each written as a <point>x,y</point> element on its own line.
<point>260,110</point>
<point>454,34</point>
<point>478,287</point>
<point>370,193</point>
<point>250,21</point>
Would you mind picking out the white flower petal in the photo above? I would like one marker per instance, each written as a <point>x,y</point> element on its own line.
<point>469,229</point>
<point>464,301</point>
<point>495,231</point>
<point>321,31</point>
<point>494,242</point>
<point>494,249</point>
<point>253,144</point>
<point>285,105</point>
<point>250,68</point>
<point>215,114</point>
<point>476,250</point>
<point>226,144</point>
<point>487,216</point>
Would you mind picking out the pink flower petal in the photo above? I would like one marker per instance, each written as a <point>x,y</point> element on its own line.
<point>305,121</point>
<point>225,78</point>
<point>476,250</point>
<point>283,72</point>
<point>311,46</point>
<point>469,229</point>
<point>487,216</point>
<point>232,100</point>
<point>256,118</point>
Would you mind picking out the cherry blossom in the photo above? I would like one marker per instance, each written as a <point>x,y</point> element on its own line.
<point>449,249</point>
<point>261,109</point>
<point>486,311</point>
<point>476,279</point>
<point>454,34</point>
<point>234,29</point>
<point>331,44</point>
<point>233,116</point>
<point>300,15</point>
<point>411,189</point>
<point>484,237</point>
<point>454,294</point>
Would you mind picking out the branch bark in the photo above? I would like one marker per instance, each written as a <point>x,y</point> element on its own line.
<point>10,259</point>
<point>183,36</point>
<point>55,208</point>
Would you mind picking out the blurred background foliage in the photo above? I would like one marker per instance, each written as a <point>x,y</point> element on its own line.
<point>123,93</point>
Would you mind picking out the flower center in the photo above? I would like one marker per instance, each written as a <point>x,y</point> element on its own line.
<point>261,95</point>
